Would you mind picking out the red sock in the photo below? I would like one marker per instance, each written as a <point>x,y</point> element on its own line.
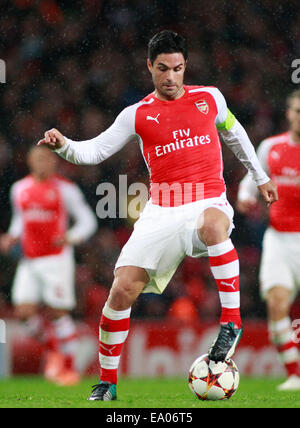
<point>113,331</point>
<point>224,265</point>
<point>62,338</point>
<point>281,334</point>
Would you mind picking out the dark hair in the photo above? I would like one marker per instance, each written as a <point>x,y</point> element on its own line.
<point>166,42</point>
<point>292,96</point>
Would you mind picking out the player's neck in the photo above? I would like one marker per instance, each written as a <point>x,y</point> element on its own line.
<point>162,97</point>
<point>40,177</point>
<point>295,137</point>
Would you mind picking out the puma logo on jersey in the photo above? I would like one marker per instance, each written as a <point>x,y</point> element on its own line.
<point>228,284</point>
<point>275,155</point>
<point>153,118</point>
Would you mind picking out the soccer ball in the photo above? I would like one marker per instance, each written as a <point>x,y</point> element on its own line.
<point>209,380</point>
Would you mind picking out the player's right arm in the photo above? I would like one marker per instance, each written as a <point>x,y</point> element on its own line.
<point>96,150</point>
<point>84,220</point>
<point>13,235</point>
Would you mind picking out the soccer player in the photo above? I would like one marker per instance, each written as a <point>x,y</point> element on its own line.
<point>280,264</point>
<point>42,204</point>
<point>176,128</point>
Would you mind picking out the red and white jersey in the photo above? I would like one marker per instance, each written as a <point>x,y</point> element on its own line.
<point>41,211</point>
<point>280,157</point>
<point>180,144</point>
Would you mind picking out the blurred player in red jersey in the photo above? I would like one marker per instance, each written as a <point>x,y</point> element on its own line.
<point>176,128</point>
<point>43,202</point>
<point>280,264</point>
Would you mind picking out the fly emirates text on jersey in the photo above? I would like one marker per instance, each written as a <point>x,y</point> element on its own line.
<point>182,139</point>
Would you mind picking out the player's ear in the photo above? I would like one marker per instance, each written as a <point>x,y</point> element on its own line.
<point>149,65</point>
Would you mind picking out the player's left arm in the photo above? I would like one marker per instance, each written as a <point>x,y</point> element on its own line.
<point>236,138</point>
<point>84,220</point>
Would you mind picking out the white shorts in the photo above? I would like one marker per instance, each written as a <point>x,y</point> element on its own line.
<point>163,236</point>
<point>280,263</point>
<point>48,280</point>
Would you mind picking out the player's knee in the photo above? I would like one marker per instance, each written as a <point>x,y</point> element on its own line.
<point>122,294</point>
<point>128,284</point>
<point>54,314</point>
<point>213,233</point>
<point>213,226</point>
<point>26,311</point>
<point>123,287</point>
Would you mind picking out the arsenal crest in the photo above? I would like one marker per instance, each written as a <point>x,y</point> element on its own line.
<point>202,106</point>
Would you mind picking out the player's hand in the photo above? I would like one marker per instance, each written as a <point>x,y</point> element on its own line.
<point>53,139</point>
<point>60,242</point>
<point>269,192</point>
<point>7,242</point>
<point>246,206</point>
<point>65,240</point>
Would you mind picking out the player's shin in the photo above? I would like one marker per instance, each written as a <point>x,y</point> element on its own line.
<point>224,265</point>
<point>35,326</point>
<point>281,335</point>
<point>67,338</point>
<point>61,351</point>
<point>113,331</point>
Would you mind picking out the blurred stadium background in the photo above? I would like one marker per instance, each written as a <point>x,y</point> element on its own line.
<point>75,65</point>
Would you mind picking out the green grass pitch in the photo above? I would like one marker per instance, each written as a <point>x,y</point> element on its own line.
<point>35,392</point>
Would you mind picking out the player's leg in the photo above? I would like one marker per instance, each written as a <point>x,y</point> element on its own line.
<point>213,227</point>
<point>25,311</point>
<point>114,327</point>
<point>277,286</point>
<point>29,314</point>
<point>223,261</point>
<point>62,347</point>
<point>56,275</point>
<point>146,264</point>
<point>278,301</point>
<point>26,298</point>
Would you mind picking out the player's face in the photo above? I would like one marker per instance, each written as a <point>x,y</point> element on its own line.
<point>42,163</point>
<point>167,74</point>
<point>293,116</point>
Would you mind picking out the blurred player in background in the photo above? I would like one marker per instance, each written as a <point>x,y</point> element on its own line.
<point>43,203</point>
<point>177,128</point>
<point>280,264</point>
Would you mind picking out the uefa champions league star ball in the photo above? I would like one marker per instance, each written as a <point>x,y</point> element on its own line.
<point>209,380</point>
